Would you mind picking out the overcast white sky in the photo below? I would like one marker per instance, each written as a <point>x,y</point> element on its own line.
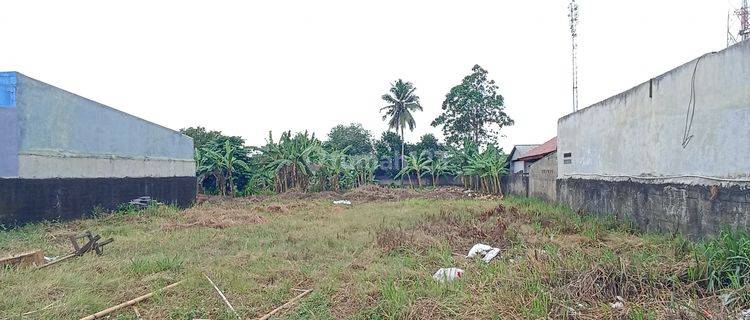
<point>247,67</point>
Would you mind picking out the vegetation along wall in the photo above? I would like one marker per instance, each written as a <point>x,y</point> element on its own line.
<point>672,153</point>
<point>62,155</point>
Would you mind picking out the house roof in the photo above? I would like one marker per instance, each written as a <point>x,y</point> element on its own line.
<point>540,151</point>
<point>520,150</point>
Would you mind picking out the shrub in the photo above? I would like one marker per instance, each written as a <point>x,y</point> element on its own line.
<point>722,261</point>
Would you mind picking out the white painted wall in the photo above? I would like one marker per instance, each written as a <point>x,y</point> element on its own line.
<point>633,134</point>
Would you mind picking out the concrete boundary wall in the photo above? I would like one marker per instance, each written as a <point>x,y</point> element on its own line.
<point>51,133</point>
<point>62,156</point>
<point>672,154</point>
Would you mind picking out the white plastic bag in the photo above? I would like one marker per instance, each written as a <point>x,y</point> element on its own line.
<point>344,202</point>
<point>448,274</point>
<point>488,252</point>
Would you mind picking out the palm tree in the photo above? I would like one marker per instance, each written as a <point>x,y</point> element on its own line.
<point>401,103</point>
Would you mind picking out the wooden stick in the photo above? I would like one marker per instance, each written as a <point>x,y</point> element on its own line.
<point>56,261</point>
<point>221,294</point>
<point>128,303</point>
<point>42,309</point>
<point>268,315</point>
<point>137,313</point>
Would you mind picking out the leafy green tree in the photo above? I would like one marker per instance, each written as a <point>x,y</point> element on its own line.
<point>428,143</point>
<point>401,102</point>
<point>387,150</point>
<point>354,137</point>
<point>473,110</point>
<point>204,138</point>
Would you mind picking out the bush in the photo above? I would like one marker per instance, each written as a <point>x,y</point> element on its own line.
<point>723,261</point>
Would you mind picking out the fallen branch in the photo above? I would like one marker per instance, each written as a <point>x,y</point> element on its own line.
<point>128,303</point>
<point>222,295</point>
<point>268,315</point>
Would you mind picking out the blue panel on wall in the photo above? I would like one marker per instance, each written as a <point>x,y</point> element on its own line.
<point>8,81</point>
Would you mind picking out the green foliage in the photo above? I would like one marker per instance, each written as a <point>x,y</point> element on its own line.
<point>723,261</point>
<point>354,137</point>
<point>429,143</point>
<point>416,164</point>
<point>401,102</point>
<point>387,148</point>
<point>203,138</point>
<point>472,110</point>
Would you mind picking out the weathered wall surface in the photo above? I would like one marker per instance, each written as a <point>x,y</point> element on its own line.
<point>672,153</point>
<point>64,135</point>
<point>62,155</point>
<point>27,200</point>
<point>654,130</point>
<point>516,184</point>
<point>543,178</point>
<point>695,210</point>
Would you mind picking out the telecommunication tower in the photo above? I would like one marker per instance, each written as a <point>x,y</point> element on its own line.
<point>573,15</point>
<point>741,16</point>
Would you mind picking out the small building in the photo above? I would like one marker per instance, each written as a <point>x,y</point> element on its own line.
<point>63,156</point>
<point>542,162</point>
<point>515,165</point>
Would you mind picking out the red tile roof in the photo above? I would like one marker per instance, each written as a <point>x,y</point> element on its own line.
<point>540,151</point>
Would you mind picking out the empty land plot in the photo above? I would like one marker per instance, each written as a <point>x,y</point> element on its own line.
<point>373,259</point>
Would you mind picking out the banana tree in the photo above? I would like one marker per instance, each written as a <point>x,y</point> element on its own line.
<point>226,161</point>
<point>417,164</point>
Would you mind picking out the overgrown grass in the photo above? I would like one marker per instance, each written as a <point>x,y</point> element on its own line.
<point>375,261</point>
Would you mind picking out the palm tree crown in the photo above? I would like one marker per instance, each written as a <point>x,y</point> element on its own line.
<point>401,103</point>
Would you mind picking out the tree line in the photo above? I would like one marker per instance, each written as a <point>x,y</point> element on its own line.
<point>472,115</point>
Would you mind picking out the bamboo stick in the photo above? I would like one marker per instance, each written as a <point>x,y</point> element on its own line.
<point>268,315</point>
<point>58,260</point>
<point>222,296</point>
<point>128,303</point>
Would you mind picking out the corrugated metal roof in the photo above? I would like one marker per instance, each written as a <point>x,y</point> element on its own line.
<point>520,150</point>
<point>540,151</point>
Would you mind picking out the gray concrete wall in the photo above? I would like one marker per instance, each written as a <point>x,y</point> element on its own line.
<point>694,210</point>
<point>63,135</point>
<point>672,154</point>
<point>643,132</point>
<point>516,184</point>
<point>542,178</point>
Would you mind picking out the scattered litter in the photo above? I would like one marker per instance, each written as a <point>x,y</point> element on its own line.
<point>31,258</point>
<point>744,315</point>
<point>488,252</point>
<point>291,302</point>
<point>128,303</point>
<point>344,202</point>
<point>448,274</point>
<point>619,304</point>
<point>143,202</point>
<point>221,294</point>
